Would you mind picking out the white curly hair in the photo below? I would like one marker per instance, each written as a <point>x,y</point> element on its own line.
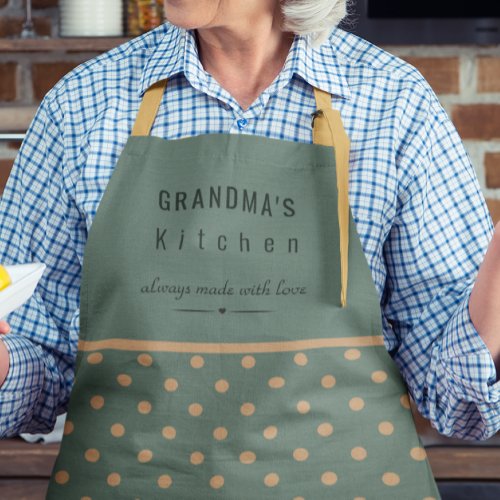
<point>313,17</point>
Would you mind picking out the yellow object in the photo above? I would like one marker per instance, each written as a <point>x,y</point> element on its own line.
<point>5,279</point>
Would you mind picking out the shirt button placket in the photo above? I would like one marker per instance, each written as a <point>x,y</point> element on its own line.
<point>242,122</point>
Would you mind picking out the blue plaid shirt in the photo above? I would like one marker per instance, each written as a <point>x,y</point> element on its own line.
<point>414,195</point>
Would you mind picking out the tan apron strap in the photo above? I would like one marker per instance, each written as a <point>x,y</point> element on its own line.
<point>149,108</point>
<point>329,131</point>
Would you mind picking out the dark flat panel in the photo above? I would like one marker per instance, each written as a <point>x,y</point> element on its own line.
<point>423,30</point>
<point>468,490</point>
<point>433,8</point>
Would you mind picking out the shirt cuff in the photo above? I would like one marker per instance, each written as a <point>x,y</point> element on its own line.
<point>21,389</point>
<point>468,363</point>
<point>467,358</point>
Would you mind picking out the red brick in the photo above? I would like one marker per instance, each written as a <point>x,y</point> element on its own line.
<point>14,144</point>
<point>494,208</point>
<point>10,26</point>
<point>46,75</point>
<point>492,170</point>
<point>477,121</point>
<point>443,73</point>
<point>8,81</point>
<point>43,4</point>
<point>488,74</point>
<point>5,168</point>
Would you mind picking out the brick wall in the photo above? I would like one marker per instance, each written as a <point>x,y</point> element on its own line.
<point>466,79</point>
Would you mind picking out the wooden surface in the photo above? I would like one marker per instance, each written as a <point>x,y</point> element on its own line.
<point>18,458</point>
<point>64,44</point>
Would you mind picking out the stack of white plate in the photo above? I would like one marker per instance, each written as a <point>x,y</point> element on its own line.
<point>25,278</point>
<point>90,18</point>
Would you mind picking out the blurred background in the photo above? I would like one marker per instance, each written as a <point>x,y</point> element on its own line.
<point>455,45</point>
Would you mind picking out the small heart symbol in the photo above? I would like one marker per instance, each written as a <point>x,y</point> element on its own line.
<point>222,310</point>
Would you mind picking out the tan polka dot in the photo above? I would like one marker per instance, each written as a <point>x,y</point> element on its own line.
<point>124,380</point>
<point>429,498</point>
<point>247,409</point>
<point>169,432</point>
<point>222,385</point>
<point>328,381</point>
<point>61,477</point>
<point>170,384</point>
<point>220,433</point>
<point>325,429</point>
<point>195,409</point>
<point>145,456</point>
<point>144,407</point>
<point>405,401</point>
<point>248,362</point>
<point>217,482</point>
<point>386,428</point>
<point>197,361</point>
<point>356,404</point>
<point>303,406</point>
<point>164,481</point>
<point>379,376</point>
<point>68,427</point>
<point>145,359</point>
<point>94,358</point>
<point>247,457</point>
<point>270,432</point>
<point>300,359</point>
<point>276,382</point>
<point>418,453</point>
<point>298,498</point>
<point>197,457</point>
<point>85,498</point>
<point>114,479</point>
<point>117,430</point>
<point>271,479</point>
<point>97,402</point>
<point>328,478</point>
<point>390,478</point>
<point>359,498</point>
<point>358,453</point>
<point>92,455</point>
<point>300,454</point>
<point>352,354</point>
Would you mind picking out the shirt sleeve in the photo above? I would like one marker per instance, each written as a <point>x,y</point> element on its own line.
<point>44,331</point>
<point>438,239</point>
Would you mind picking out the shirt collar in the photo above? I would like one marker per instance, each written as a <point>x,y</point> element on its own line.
<point>176,52</point>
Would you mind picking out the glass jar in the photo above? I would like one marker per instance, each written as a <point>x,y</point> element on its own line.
<point>143,15</point>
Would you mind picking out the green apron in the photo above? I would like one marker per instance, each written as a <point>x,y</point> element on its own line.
<point>220,355</point>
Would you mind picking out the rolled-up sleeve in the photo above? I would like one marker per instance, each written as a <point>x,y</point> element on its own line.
<point>436,244</point>
<point>43,337</point>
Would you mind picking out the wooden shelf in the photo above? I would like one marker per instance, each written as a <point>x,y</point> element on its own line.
<point>63,44</point>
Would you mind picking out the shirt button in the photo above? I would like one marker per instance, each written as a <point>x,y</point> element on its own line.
<point>242,123</point>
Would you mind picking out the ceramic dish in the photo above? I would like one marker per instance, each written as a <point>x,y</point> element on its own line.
<point>24,277</point>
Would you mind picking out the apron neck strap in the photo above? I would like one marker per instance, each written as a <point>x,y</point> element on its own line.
<point>327,131</point>
<point>149,108</point>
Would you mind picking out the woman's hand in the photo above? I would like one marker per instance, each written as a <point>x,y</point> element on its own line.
<point>484,301</point>
<point>4,353</point>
